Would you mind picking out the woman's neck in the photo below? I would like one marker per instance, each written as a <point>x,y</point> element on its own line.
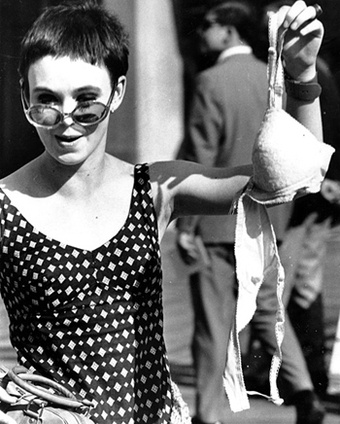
<point>70,180</point>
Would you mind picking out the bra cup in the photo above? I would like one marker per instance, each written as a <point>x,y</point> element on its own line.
<point>287,158</point>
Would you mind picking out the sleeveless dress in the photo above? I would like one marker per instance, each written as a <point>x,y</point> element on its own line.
<point>92,320</point>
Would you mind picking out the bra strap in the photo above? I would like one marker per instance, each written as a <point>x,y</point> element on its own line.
<point>275,66</point>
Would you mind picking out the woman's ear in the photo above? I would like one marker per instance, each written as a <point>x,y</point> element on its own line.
<point>230,36</point>
<point>119,94</point>
<point>24,91</point>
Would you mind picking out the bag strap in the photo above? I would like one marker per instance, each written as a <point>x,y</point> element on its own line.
<point>25,380</point>
<point>275,66</point>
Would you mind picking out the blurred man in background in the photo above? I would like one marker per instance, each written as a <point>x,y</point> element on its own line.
<point>227,108</point>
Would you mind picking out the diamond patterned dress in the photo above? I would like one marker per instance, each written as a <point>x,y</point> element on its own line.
<point>92,320</point>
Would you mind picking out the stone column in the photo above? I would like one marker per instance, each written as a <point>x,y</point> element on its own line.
<point>149,124</point>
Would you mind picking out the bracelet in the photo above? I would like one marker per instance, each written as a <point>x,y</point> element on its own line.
<point>305,91</point>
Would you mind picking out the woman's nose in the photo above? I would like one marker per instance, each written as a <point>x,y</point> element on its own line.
<point>68,108</point>
<point>67,119</point>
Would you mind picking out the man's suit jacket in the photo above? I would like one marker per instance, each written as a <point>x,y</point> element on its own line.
<point>226,112</point>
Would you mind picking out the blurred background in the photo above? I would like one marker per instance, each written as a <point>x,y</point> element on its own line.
<point>148,126</point>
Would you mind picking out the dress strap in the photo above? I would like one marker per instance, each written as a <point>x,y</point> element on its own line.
<point>143,190</point>
<point>142,178</point>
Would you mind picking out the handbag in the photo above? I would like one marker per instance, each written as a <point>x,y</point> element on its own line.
<point>30,398</point>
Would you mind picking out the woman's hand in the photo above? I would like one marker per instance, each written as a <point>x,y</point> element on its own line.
<point>302,39</point>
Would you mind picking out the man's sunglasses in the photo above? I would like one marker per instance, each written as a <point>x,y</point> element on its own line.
<point>85,114</point>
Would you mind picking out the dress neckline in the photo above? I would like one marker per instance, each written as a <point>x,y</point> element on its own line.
<point>36,230</point>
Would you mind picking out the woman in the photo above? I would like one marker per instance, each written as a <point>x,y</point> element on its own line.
<point>80,229</point>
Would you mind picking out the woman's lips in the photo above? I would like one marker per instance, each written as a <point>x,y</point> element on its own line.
<point>67,139</point>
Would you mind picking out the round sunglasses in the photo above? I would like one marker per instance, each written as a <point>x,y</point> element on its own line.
<point>85,114</point>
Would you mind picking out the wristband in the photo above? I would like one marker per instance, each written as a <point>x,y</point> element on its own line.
<point>304,91</point>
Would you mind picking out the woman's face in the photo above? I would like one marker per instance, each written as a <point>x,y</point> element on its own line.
<point>64,83</point>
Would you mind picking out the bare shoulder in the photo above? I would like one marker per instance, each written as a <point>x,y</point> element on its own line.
<point>18,180</point>
<point>166,180</point>
<point>119,167</point>
<point>174,180</point>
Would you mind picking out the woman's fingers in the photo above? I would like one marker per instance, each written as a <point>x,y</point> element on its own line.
<point>312,27</point>
<point>293,12</point>
<point>302,39</point>
<point>300,16</point>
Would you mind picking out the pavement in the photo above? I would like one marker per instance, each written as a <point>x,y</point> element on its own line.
<point>178,327</point>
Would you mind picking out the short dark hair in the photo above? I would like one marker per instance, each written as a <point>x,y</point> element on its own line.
<point>239,14</point>
<point>83,30</point>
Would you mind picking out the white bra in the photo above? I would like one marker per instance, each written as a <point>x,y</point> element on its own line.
<point>288,161</point>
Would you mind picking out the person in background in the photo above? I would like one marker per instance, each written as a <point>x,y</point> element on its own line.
<point>227,108</point>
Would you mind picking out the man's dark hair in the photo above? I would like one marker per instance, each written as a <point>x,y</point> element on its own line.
<point>239,14</point>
